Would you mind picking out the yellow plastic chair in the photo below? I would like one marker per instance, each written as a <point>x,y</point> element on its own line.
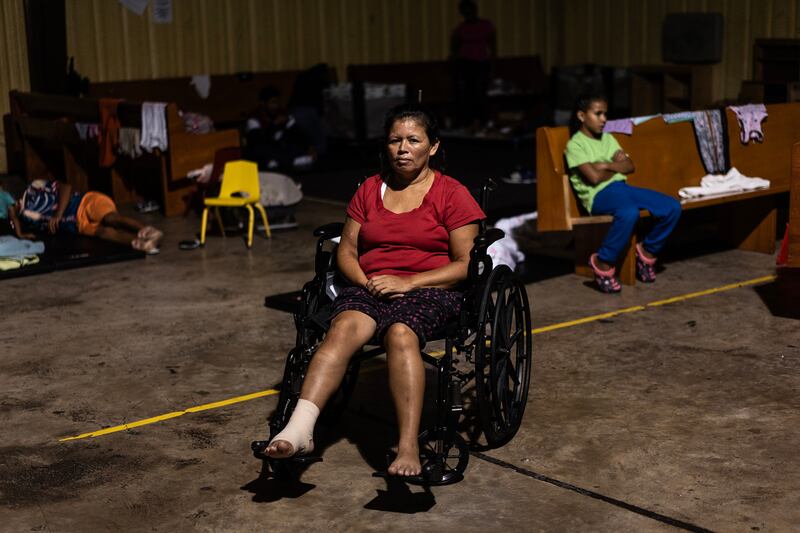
<point>240,178</point>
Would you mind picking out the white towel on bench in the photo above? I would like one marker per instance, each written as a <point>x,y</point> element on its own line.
<point>731,182</point>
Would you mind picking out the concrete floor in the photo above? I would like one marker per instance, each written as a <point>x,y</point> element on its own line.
<point>676,416</point>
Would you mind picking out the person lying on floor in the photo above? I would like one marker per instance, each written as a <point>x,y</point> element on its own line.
<point>405,250</point>
<point>52,206</point>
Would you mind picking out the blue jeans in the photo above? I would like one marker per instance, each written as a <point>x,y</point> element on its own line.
<point>624,202</point>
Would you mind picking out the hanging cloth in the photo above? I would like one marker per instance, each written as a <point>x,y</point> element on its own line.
<point>109,131</point>
<point>154,126</point>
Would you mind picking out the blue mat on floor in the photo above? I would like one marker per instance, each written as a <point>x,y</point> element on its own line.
<point>66,252</point>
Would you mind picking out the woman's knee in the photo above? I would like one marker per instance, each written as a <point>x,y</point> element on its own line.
<point>351,325</point>
<point>400,337</point>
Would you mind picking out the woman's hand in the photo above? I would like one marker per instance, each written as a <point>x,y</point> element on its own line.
<point>387,286</point>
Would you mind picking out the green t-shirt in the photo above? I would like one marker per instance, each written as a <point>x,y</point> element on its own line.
<point>5,201</point>
<point>584,149</point>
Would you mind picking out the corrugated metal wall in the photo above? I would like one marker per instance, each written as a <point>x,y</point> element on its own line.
<point>13,60</point>
<point>215,37</point>
<point>224,36</point>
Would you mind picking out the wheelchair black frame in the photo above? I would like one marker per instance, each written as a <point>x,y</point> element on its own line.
<point>448,399</point>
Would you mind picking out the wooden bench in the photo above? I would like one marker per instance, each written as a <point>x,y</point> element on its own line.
<point>667,159</point>
<point>231,100</point>
<point>46,127</point>
<point>794,211</point>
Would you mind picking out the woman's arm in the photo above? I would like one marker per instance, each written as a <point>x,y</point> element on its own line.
<point>446,277</point>
<point>347,254</point>
<point>64,193</point>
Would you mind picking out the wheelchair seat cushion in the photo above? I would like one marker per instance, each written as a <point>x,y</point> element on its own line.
<point>425,311</point>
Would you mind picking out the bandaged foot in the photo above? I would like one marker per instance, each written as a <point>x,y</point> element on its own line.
<point>298,435</point>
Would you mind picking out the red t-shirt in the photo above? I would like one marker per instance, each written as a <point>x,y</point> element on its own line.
<point>475,40</point>
<point>403,244</point>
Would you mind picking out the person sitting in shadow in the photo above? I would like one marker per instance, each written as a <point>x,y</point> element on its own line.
<point>274,138</point>
<point>50,206</point>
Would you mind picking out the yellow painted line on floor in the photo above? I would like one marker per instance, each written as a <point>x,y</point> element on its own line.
<point>756,281</point>
<point>535,331</point>
<point>175,414</point>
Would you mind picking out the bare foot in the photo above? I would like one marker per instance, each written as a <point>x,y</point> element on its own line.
<point>406,463</point>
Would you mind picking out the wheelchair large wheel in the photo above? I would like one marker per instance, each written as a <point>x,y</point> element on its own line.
<point>502,356</point>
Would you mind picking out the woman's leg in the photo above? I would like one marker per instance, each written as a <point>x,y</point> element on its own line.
<point>349,331</point>
<point>407,384</point>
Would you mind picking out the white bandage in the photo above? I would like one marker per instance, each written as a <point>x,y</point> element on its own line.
<point>299,432</point>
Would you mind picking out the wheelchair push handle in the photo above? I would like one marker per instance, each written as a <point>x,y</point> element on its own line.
<point>329,231</point>
<point>488,186</point>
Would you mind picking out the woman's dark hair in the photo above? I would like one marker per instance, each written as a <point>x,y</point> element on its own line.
<point>421,116</point>
<point>583,103</point>
<point>415,112</point>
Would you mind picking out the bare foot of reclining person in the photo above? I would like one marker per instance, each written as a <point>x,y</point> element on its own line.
<point>406,463</point>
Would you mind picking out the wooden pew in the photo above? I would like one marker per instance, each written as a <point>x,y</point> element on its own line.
<point>46,125</point>
<point>794,210</point>
<point>667,159</point>
<point>232,98</point>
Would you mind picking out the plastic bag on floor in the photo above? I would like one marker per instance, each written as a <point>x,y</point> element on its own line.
<point>278,189</point>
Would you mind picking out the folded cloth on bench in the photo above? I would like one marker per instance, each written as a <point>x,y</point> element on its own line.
<point>731,182</point>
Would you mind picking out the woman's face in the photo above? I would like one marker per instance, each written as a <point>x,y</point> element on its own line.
<point>409,148</point>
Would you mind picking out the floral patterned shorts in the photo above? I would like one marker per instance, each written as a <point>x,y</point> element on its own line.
<point>425,311</point>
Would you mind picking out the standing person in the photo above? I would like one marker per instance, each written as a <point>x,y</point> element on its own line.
<point>473,47</point>
<point>598,168</point>
<point>404,249</point>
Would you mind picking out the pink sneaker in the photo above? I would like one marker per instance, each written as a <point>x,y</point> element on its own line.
<point>605,279</point>
<point>645,267</point>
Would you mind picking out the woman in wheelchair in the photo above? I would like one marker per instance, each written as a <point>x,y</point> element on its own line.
<point>404,249</point>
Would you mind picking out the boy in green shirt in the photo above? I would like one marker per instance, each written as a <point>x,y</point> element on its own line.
<point>598,169</point>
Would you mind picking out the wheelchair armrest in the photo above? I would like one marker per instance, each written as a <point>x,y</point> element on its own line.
<point>485,239</point>
<point>329,231</point>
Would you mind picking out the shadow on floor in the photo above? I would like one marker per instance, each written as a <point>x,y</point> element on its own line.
<point>782,296</point>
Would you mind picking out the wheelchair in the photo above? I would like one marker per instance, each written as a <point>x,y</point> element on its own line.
<point>488,349</point>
